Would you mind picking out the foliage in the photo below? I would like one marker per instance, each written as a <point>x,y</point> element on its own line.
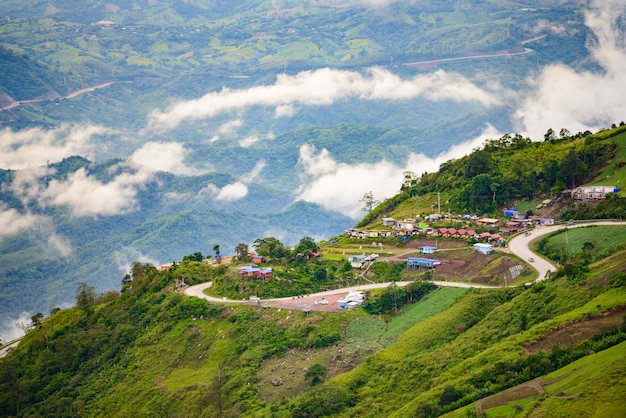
<point>315,374</point>
<point>394,297</point>
<point>514,167</point>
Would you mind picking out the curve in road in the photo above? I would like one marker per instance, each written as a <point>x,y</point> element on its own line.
<point>520,245</point>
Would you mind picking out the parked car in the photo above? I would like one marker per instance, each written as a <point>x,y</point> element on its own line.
<point>323,301</point>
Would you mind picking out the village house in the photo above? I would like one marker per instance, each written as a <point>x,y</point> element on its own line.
<point>427,249</point>
<point>589,193</point>
<point>483,248</point>
<point>490,222</point>
<point>258,259</point>
<point>415,263</point>
<point>403,227</point>
<point>251,271</point>
<point>389,222</point>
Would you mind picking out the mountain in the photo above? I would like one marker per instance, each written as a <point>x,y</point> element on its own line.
<point>556,345</point>
<point>149,131</point>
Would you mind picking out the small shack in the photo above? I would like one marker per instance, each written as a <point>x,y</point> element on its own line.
<point>427,249</point>
<point>483,248</point>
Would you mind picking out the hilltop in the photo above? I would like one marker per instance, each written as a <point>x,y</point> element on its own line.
<point>408,351</point>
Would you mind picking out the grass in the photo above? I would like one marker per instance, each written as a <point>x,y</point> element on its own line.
<point>368,333</point>
<point>614,174</point>
<point>593,386</point>
<point>602,237</point>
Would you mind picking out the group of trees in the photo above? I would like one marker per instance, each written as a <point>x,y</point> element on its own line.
<point>394,297</point>
<point>514,167</point>
<point>272,248</point>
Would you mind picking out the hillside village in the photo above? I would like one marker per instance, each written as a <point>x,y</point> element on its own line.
<point>336,321</point>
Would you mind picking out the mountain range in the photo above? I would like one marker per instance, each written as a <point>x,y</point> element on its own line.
<point>145,132</point>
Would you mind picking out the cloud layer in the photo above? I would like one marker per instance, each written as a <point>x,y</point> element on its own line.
<point>36,146</point>
<point>324,87</point>
<point>340,186</point>
<point>562,97</point>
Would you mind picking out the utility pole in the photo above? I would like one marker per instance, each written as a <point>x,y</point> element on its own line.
<point>438,203</point>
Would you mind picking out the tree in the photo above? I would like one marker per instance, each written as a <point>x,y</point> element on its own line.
<point>37,319</point>
<point>216,249</point>
<point>85,295</point>
<point>315,374</point>
<point>409,182</point>
<point>270,247</point>
<point>306,246</point>
<point>241,252</point>
<point>368,202</point>
<point>450,394</point>
<point>478,162</point>
<point>572,169</point>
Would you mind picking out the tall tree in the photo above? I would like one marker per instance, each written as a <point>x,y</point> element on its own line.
<point>368,201</point>
<point>241,252</point>
<point>85,295</point>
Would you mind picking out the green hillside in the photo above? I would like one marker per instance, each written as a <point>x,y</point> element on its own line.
<point>514,171</point>
<point>150,350</point>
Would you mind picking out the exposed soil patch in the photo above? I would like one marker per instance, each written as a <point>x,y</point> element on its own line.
<point>466,264</point>
<point>571,334</point>
<point>525,390</point>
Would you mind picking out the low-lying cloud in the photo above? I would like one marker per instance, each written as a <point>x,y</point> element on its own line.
<point>340,187</point>
<point>237,190</point>
<point>37,147</point>
<point>562,97</point>
<point>324,87</point>
<point>86,196</point>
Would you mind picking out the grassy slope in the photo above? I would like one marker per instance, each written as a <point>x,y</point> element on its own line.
<point>447,350</point>
<point>593,386</point>
<point>150,356</point>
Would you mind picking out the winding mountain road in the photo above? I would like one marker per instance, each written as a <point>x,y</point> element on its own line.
<point>518,245</point>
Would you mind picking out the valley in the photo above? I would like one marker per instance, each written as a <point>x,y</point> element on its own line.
<point>312,209</point>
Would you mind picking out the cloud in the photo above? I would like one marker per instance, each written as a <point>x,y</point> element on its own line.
<point>562,97</point>
<point>13,222</point>
<point>230,127</point>
<point>237,190</point>
<point>340,187</point>
<point>248,141</point>
<point>234,191</point>
<point>323,87</point>
<point>37,146</point>
<point>127,256</point>
<point>9,329</point>
<point>85,196</point>
<point>162,156</point>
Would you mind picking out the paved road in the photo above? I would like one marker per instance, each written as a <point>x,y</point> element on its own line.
<point>5,350</point>
<point>519,245</point>
<point>69,96</point>
<point>198,291</point>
